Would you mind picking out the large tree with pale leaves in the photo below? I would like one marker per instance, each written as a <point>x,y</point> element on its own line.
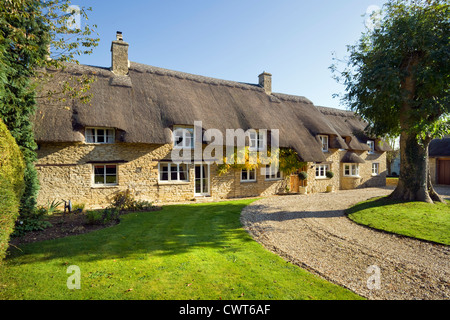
<point>397,79</point>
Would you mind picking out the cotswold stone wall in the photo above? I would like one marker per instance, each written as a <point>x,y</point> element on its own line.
<point>339,181</point>
<point>66,173</point>
<point>366,179</point>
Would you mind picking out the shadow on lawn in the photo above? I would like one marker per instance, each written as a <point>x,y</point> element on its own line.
<point>174,230</point>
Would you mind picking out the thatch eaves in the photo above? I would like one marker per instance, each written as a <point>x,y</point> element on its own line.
<point>439,148</point>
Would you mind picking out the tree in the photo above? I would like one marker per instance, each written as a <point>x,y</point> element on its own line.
<point>397,79</point>
<point>28,30</point>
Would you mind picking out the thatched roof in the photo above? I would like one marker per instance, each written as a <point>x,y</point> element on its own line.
<point>439,148</point>
<point>352,129</point>
<point>144,105</point>
<point>351,157</point>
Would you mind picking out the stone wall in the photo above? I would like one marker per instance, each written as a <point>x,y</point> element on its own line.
<point>339,181</point>
<point>366,179</point>
<point>66,173</point>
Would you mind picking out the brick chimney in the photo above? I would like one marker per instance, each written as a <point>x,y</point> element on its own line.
<point>265,81</point>
<point>119,56</point>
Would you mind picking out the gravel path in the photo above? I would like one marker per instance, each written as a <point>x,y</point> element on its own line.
<point>313,232</point>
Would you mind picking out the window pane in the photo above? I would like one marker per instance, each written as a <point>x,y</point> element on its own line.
<point>252,175</point>
<point>99,170</point>
<point>173,172</point>
<point>164,172</point>
<point>183,172</point>
<point>244,175</point>
<point>111,179</point>
<point>109,136</point>
<point>347,170</point>
<point>99,179</point>
<point>112,169</point>
<point>90,135</point>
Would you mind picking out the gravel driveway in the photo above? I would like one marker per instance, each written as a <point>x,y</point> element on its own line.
<point>313,232</point>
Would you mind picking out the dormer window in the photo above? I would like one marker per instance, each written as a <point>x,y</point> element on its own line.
<point>100,135</point>
<point>371,145</point>
<point>258,140</point>
<point>324,142</point>
<point>183,137</point>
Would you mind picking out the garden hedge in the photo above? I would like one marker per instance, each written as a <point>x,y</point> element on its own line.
<point>12,184</point>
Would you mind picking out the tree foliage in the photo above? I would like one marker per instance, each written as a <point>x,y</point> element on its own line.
<point>379,64</point>
<point>397,79</point>
<point>29,31</point>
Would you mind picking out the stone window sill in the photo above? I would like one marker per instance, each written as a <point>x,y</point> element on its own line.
<point>164,183</point>
<point>112,186</point>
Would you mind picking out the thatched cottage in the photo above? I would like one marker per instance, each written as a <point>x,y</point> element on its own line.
<point>123,138</point>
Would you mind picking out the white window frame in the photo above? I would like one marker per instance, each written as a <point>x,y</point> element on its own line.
<point>104,165</point>
<point>271,175</point>
<point>109,136</point>
<point>321,171</point>
<point>353,169</point>
<point>375,169</point>
<point>371,144</point>
<point>186,134</point>
<point>171,165</point>
<point>248,179</point>
<point>257,140</point>
<point>324,140</point>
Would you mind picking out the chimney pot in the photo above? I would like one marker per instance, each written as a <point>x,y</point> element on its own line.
<point>119,56</point>
<point>265,81</point>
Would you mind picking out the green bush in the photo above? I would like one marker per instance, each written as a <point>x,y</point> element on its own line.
<point>329,174</point>
<point>103,216</point>
<point>123,200</point>
<point>302,175</point>
<point>12,168</point>
<point>94,216</point>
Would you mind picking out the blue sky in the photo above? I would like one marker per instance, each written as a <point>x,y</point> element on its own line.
<point>236,40</point>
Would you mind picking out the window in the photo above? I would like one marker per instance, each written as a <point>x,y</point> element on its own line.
<point>321,170</point>
<point>371,145</point>
<point>375,169</point>
<point>257,141</point>
<point>183,137</point>
<point>105,174</point>
<point>351,170</point>
<point>324,143</point>
<point>248,175</point>
<point>99,135</point>
<point>271,174</point>
<point>172,172</point>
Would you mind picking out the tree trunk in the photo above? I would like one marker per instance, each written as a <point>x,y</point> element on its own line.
<point>414,170</point>
<point>414,183</point>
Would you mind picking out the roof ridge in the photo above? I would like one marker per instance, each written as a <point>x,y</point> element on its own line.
<point>140,67</point>
<point>335,111</point>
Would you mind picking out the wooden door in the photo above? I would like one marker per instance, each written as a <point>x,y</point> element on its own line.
<point>444,172</point>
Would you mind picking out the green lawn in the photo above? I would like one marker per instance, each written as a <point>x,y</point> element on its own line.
<point>419,220</point>
<point>197,251</point>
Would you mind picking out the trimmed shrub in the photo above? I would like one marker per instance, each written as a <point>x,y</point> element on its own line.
<point>302,175</point>
<point>329,174</point>
<point>12,167</point>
